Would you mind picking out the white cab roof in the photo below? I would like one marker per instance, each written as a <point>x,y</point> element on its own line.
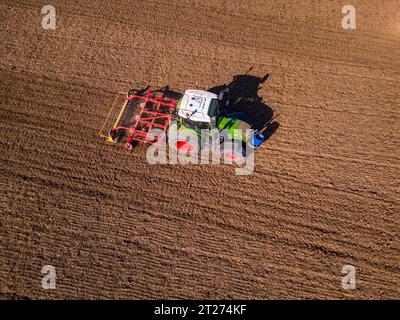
<point>195,105</point>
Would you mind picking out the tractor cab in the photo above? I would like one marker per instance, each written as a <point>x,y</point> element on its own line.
<point>199,124</point>
<point>198,110</point>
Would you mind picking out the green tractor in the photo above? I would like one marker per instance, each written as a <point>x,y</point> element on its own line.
<point>200,123</point>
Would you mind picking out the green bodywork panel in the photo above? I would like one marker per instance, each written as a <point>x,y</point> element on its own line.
<point>233,125</point>
<point>224,123</point>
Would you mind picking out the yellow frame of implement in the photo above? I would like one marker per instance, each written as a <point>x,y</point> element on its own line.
<point>101,133</point>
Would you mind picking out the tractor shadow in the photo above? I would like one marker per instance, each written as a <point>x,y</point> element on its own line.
<point>243,97</point>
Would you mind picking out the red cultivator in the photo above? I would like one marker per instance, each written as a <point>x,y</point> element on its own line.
<point>140,113</point>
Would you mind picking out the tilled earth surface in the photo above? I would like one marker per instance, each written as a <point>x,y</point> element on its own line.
<point>324,193</point>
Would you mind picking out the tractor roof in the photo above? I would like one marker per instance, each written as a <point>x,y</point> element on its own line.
<point>195,104</point>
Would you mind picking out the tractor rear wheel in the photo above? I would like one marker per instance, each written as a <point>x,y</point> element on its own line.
<point>183,145</point>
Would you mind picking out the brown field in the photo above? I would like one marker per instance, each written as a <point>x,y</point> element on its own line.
<point>324,194</point>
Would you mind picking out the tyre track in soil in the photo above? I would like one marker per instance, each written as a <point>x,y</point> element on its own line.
<point>324,193</point>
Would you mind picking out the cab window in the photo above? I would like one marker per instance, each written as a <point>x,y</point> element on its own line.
<point>213,110</point>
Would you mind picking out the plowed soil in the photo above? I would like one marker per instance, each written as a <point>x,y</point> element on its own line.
<point>324,193</point>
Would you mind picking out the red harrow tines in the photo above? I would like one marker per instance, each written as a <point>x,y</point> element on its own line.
<point>139,115</point>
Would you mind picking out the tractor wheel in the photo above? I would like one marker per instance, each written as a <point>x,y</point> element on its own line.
<point>232,152</point>
<point>183,146</point>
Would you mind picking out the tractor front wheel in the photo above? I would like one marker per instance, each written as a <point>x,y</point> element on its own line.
<point>232,152</point>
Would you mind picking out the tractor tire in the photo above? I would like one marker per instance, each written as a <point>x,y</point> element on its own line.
<point>232,152</point>
<point>181,145</point>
